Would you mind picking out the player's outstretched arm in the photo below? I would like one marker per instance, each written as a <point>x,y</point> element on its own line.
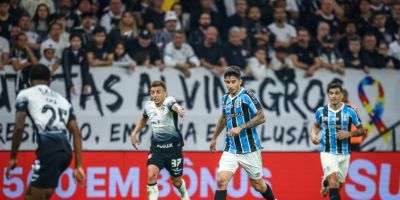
<point>178,109</point>
<point>79,174</point>
<point>16,141</point>
<point>139,125</point>
<point>221,123</point>
<point>315,128</point>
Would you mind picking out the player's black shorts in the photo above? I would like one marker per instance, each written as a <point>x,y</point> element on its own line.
<point>167,157</point>
<point>48,168</point>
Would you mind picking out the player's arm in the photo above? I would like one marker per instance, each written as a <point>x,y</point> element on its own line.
<point>16,140</point>
<point>178,109</point>
<point>257,120</point>
<point>315,129</point>
<point>221,123</point>
<point>139,125</point>
<point>72,127</point>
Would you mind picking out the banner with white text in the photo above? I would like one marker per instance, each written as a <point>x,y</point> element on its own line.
<point>122,175</point>
<point>108,115</point>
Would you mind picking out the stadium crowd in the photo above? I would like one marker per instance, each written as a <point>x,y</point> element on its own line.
<point>253,34</point>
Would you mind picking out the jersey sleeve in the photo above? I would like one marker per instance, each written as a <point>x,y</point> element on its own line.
<point>355,119</point>
<point>318,116</point>
<point>170,101</point>
<point>21,103</point>
<point>252,101</point>
<point>72,115</point>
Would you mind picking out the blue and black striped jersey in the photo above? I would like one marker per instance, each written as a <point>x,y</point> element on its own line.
<point>331,121</point>
<point>237,111</point>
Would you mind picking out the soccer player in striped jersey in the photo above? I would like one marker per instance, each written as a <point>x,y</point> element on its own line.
<point>167,142</point>
<point>51,115</point>
<point>241,113</point>
<point>334,121</point>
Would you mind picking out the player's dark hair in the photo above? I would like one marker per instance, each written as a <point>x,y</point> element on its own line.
<point>334,85</point>
<point>159,84</point>
<point>233,71</point>
<point>40,72</point>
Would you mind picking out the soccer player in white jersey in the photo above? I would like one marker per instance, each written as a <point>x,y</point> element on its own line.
<point>241,113</point>
<point>51,116</point>
<point>167,142</point>
<point>334,122</point>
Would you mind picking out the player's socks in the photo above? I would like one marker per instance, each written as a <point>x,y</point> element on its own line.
<point>334,194</point>
<point>220,195</point>
<point>152,191</point>
<point>182,191</point>
<point>268,193</point>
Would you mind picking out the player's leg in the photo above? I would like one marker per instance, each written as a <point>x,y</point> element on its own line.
<point>33,193</point>
<point>228,165</point>
<point>175,168</point>
<point>252,163</point>
<point>330,165</point>
<point>154,165</point>
<point>344,162</point>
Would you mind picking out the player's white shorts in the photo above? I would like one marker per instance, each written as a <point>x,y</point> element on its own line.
<point>251,162</point>
<point>335,163</point>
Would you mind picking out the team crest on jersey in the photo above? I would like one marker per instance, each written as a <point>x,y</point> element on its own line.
<point>238,104</point>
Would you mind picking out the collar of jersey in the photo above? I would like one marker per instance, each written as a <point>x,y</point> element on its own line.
<point>241,90</point>
<point>335,111</point>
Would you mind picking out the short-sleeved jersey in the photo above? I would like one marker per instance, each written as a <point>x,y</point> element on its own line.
<point>49,112</point>
<point>331,121</point>
<point>237,111</point>
<point>164,121</point>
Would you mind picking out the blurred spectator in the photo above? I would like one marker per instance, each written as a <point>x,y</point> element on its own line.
<point>48,59</point>
<point>183,19</point>
<point>246,42</point>
<point>322,31</point>
<point>285,33</point>
<point>126,29</point>
<point>326,14</point>
<point>163,37</point>
<point>85,29</point>
<point>60,19</point>
<point>372,58</point>
<point>41,21</point>
<point>196,36</point>
<point>14,31</point>
<point>55,31</point>
<point>121,58</point>
<point>144,51</point>
<point>99,52</point>
<point>4,52</point>
<point>363,17</point>
<point>210,52</point>
<point>379,28</point>
<point>259,34</point>
<point>394,19</point>
<point>84,7</point>
<point>111,18</point>
<point>379,6</point>
<point>233,51</point>
<point>22,58</point>
<point>389,61</point>
<point>65,8</point>
<point>303,55</point>
<point>25,24</point>
<point>330,57</point>
<point>15,9</point>
<point>154,17</point>
<point>394,48</point>
<point>206,6</point>
<point>75,55</point>
<point>31,6</point>
<point>258,64</point>
<point>281,60</point>
<point>239,18</point>
<point>180,55</point>
<point>6,19</point>
<point>349,31</point>
<point>353,58</point>
<point>140,8</point>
